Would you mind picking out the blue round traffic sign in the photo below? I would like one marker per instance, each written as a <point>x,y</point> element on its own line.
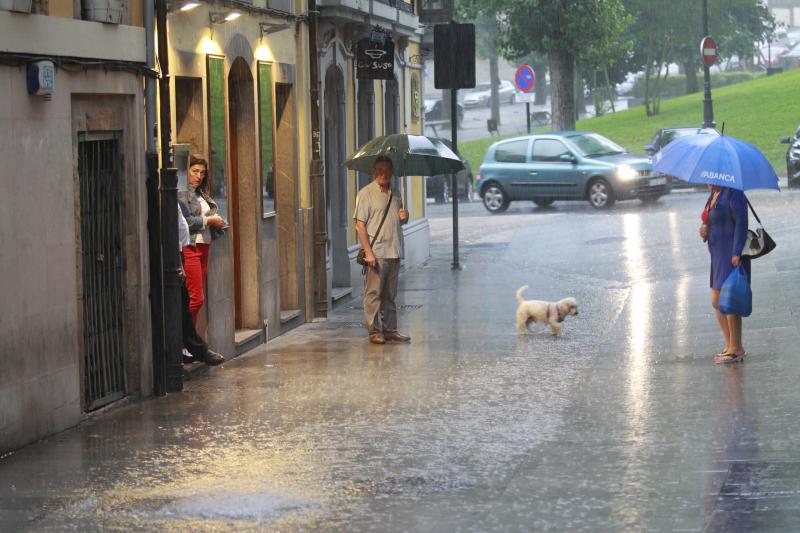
<point>525,79</point>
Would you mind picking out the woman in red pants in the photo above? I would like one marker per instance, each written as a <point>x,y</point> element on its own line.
<point>205,225</point>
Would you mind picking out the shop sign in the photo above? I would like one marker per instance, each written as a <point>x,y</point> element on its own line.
<point>375,57</point>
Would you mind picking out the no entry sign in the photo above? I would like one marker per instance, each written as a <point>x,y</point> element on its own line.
<point>525,79</point>
<point>708,50</point>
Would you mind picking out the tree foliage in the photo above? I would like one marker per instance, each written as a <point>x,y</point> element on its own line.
<point>568,32</point>
<point>670,32</point>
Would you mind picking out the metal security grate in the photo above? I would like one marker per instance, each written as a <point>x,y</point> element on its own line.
<point>99,170</point>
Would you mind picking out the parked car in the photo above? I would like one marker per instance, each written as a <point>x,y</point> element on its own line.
<point>481,94</point>
<point>571,165</point>
<point>434,111</point>
<point>664,136</point>
<point>793,158</point>
<point>438,187</point>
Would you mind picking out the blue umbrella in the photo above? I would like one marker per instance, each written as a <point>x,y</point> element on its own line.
<point>716,160</point>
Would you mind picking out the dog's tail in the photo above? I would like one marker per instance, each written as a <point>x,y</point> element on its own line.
<point>522,289</point>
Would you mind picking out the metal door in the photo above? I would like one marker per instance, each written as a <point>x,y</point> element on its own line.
<point>100,173</point>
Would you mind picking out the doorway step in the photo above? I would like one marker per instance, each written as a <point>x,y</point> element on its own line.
<point>289,315</point>
<point>340,295</point>
<point>247,339</point>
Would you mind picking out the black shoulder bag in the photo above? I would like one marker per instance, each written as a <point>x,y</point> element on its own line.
<point>758,242</point>
<point>361,257</point>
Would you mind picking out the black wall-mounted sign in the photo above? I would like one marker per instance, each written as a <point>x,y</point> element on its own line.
<point>375,57</point>
<point>454,56</point>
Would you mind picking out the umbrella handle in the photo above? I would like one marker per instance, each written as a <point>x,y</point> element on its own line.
<point>403,200</point>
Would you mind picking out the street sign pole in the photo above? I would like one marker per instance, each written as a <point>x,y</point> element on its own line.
<point>453,181</point>
<point>528,115</point>
<point>708,105</point>
<point>454,68</point>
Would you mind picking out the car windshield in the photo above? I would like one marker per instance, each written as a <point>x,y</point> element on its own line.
<point>594,145</point>
<point>671,135</point>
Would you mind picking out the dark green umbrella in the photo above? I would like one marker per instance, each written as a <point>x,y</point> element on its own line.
<point>411,155</point>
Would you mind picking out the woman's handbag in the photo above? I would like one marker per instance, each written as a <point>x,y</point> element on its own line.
<point>758,242</point>
<point>736,298</point>
<point>361,256</point>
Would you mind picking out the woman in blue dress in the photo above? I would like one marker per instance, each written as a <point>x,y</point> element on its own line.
<point>725,229</point>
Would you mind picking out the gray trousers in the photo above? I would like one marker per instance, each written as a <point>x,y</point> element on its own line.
<point>380,290</point>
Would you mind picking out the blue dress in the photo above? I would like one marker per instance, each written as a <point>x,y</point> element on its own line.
<point>727,231</point>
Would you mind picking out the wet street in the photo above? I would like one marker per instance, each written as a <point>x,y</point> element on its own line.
<point>623,423</point>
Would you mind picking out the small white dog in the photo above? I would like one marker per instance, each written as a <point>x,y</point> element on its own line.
<point>552,313</point>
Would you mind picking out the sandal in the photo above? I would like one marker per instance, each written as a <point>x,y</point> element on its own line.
<point>733,358</point>
<point>720,356</point>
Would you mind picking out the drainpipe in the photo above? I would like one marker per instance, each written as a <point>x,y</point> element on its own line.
<point>153,215</point>
<point>169,216</point>
<point>317,175</point>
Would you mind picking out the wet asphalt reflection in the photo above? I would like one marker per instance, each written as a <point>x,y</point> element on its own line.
<point>621,423</point>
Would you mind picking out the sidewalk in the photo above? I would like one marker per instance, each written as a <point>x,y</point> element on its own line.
<point>622,423</point>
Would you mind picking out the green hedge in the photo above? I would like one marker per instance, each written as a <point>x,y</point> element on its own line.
<point>675,84</point>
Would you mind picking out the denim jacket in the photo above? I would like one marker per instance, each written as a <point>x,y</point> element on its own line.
<point>190,206</point>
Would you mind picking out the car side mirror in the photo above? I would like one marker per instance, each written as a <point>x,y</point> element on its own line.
<point>649,149</point>
<point>568,158</point>
<point>786,140</point>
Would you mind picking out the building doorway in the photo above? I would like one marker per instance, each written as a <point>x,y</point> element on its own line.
<point>245,208</point>
<point>100,176</point>
<point>366,121</point>
<point>286,205</point>
<point>336,177</point>
<point>391,107</point>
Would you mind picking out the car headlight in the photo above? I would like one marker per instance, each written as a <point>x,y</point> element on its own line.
<point>626,173</point>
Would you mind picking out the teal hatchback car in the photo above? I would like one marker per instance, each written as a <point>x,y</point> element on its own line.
<point>567,165</point>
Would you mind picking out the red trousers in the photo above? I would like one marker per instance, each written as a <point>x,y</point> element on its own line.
<point>195,264</point>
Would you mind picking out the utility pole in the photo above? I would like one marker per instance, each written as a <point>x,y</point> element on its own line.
<point>317,174</point>
<point>708,106</point>
<point>169,216</point>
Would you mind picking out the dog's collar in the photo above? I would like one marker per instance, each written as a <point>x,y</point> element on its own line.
<point>558,312</point>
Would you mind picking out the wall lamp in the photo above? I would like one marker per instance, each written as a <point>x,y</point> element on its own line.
<point>222,18</point>
<point>269,27</point>
<point>182,6</point>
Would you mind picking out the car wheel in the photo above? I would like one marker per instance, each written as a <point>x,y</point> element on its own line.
<point>600,194</point>
<point>495,199</point>
<point>542,201</point>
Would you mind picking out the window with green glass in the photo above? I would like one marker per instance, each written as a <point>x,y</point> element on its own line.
<point>216,130</point>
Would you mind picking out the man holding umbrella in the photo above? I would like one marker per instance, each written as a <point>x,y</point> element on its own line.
<point>379,217</point>
<point>380,214</point>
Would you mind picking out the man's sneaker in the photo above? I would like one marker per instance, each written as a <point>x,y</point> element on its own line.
<point>213,358</point>
<point>187,357</point>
